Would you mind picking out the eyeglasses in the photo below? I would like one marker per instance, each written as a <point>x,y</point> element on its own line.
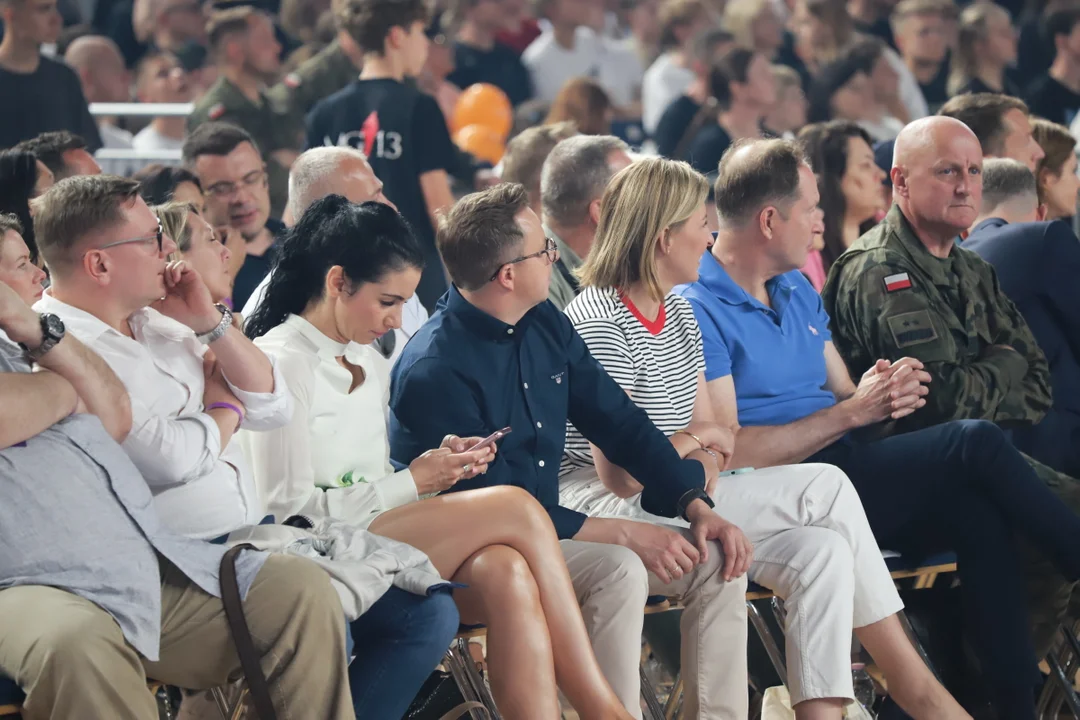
<point>158,236</point>
<point>551,251</point>
<point>228,189</point>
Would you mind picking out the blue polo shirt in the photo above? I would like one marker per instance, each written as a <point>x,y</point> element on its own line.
<point>776,356</point>
<point>470,374</point>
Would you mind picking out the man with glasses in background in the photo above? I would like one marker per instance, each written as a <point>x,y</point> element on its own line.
<point>233,176</point>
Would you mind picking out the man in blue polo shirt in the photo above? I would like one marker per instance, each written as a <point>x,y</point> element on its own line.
<point>773,375</point>
<point>496,353</point>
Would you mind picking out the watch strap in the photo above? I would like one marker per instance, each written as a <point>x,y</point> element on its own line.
<point>49,339</point>
<point>220,329</point>
<point>690,496</point>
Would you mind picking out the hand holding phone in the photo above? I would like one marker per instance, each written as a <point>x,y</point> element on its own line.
<point>491,439</point>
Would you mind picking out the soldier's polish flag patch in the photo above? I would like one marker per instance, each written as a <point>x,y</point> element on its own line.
<point>900,281</point>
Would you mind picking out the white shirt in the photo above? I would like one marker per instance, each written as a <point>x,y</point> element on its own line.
<point>114,138</point>
<point>150,139</point>
<point>333,458</point>
<point>910,93</point>
<point>602,59</point>
<point>201,489</point>
<point>413,315</point>
<point>664,82</point>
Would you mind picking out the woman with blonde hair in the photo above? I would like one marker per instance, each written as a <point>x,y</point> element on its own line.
<point>1056,172</point>
<point>985,47</point>
<point>198,244</point>
<point>812,543</point>
<point>755,25</point>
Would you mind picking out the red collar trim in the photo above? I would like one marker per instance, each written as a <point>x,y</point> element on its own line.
<point>653,326</point>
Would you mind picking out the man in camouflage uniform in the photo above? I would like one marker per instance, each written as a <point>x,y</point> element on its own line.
<point>247,55</point>
<point>331,69</point>
<point>906,289</point>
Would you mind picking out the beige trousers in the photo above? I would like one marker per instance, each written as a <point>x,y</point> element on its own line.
<point>612,585</point>
<point>71,658</point>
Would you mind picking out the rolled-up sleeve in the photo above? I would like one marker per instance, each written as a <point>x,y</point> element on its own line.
<point>265,411</point>
<point>171,451</point>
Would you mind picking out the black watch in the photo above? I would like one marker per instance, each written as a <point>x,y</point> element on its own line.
<point>690,496</point>
<point>52,332</point>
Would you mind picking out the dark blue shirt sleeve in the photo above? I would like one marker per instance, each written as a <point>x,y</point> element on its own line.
<point>608,418</point>
<point>419,423</point>
<point>1058,280</point>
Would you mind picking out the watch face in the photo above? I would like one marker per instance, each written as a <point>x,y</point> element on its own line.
<point>53,326</point>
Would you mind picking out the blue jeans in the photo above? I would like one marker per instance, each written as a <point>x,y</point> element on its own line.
<point>399,641</point>
<point>961,486</point>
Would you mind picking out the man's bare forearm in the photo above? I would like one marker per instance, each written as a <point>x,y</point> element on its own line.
<point>769,445</point>
<point>31,403</point>
<point>100,389</point>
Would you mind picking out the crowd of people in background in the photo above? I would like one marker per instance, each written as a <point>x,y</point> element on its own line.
<point>560,305</point>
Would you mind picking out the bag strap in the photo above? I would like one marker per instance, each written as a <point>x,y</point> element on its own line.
<point>708,109</point>
<point>241,635</point>
<point>466,707</point>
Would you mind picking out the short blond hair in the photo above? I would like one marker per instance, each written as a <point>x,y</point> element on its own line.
<point>643,201</point>
<point>739,17</point>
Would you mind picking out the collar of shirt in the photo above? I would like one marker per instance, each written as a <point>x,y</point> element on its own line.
<point>937,269</point>
<point>570,259</point>
<point>325,347</point>
<point>477,321</point>
<point>714,278</point>
<point>988,224</point>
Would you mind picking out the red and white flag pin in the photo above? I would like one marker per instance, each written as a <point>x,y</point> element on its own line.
<point>900,281</point>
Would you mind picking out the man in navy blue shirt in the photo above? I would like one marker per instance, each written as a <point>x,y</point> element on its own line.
<point>775,378</point>
<point>498,354</point>
<point>1037,264</point>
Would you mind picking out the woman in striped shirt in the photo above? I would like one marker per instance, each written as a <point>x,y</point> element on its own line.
<point>812,543</point>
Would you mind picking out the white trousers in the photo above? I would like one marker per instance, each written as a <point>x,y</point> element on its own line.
<point>813,547</point>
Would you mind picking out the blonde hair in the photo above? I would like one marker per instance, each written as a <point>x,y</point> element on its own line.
<point>174,223</point>
<point>651,196</point>
<point>973,29</point>
<point>739,17</point>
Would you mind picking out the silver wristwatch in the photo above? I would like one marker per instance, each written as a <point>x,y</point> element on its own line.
<point>52,332</point>
<point>220,329</point>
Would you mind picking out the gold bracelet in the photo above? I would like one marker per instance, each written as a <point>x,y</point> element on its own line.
<point>696,438</point>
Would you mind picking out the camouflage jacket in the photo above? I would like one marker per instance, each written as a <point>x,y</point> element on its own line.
<point>319,77</point>
<point>888,297</point>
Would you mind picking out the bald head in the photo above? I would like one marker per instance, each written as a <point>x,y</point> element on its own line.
<point>326,171</point>
<point>100,67</point>
<point>937,175</point>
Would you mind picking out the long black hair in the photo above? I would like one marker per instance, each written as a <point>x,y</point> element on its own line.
<point>826,145</point>
<point>366,240</point>
<point>18,178</point>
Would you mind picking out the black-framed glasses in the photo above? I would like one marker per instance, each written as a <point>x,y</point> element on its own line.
<point>551,250</point>
<point>158,236</point>
<point>223,190</point>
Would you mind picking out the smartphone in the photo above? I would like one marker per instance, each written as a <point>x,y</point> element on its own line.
<point>491,439</point>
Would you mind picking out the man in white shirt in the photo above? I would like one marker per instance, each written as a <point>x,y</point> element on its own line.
<point>194,378</point>
<point>161,79</point>
<point>100,67</point>
<point>671,75</point>
<point>344,171</point>
<point>571,48</point>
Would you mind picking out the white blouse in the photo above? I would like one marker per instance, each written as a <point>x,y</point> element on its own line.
<point>333,459</point>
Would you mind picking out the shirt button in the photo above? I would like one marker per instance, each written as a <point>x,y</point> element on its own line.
<point>539,424</point>
<point>509,331</point>
<point>526,386</point>
<point>541,463</point>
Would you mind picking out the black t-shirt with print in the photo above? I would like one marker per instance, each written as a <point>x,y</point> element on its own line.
<point>499,66</point>
<point>404,135</point>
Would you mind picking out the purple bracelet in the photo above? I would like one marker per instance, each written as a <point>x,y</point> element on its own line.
<point>227,406</point>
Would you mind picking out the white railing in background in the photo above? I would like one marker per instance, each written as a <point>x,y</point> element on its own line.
<point>139,156</point>
<point>141,109</point>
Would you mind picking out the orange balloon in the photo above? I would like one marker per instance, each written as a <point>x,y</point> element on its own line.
<point>484,104</point>
<point>482,142</point>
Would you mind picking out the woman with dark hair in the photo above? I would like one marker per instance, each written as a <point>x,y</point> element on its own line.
<point>849,180</point>
<point>22,178</point>
<point>343,274</point>
<point>742,83</point>
<point>1056,172</point>
<point>844,90</point>
<point>585,103</point>
<point>160,184</point>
